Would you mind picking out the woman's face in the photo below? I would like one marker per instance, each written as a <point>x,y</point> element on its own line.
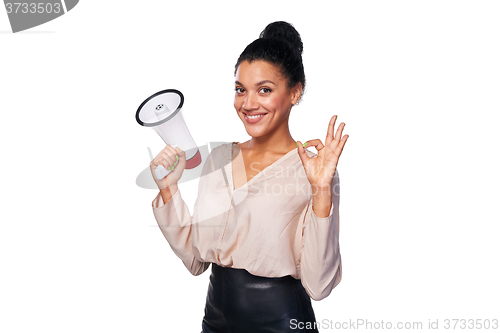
<point>261,90</point>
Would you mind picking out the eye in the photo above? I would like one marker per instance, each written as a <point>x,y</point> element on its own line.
<point>265,90</point>
<point>239,90</point>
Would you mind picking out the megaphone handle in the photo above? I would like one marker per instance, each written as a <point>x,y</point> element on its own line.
<point>160,171</point>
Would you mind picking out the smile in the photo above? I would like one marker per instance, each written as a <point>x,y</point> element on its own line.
<point>254,119</point>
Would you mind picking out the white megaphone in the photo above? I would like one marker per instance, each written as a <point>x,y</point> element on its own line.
<point>162,112</point>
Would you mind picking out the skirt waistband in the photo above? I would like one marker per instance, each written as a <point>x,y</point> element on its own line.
<point>240,302</point>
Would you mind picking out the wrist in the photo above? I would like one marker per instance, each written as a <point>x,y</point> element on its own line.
<point>167,193</point>
<point>322,208</point>
<point>169,189</point>
<point>321,201</point>
<point>321,190</point>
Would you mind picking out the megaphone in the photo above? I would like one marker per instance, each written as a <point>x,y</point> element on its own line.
<point>162,112</point>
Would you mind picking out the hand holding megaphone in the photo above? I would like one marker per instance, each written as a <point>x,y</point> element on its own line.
<point>169,163</point>
<point>162,112</point>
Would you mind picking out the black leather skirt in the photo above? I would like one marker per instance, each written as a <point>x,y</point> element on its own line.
<point>239,302</point>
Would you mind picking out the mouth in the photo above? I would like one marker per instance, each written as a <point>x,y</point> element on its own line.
<point>254,117</point>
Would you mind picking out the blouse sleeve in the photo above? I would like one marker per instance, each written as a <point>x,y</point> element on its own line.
<point>175,222</point>
<point>321,265</point>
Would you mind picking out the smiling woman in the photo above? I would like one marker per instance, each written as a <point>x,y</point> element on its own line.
<point>270,79</point>
<point>266,218</point>
<point>263,97</point>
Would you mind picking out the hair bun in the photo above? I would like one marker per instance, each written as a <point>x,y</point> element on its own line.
<point>284,31</point>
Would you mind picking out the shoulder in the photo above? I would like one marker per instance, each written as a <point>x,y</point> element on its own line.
<point>220,151</point>
<point>216,155</point>
<point>219,147</point>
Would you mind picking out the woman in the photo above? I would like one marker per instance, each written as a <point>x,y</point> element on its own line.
<point>266,216</point>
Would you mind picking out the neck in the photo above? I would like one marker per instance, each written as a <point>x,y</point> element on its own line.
<point>278,141</point>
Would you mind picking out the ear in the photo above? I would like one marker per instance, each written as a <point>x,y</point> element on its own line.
<point>296,93</point>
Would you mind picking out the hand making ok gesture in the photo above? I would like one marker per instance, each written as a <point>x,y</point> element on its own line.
<point>321,168</point>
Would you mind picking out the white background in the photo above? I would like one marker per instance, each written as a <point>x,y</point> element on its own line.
<point>417,83</point>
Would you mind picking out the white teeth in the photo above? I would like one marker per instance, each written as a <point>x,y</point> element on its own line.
<point>253,117</point>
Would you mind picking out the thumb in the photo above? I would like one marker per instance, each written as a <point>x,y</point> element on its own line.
<point>302,154</point>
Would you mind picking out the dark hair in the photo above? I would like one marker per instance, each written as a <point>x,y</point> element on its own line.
<point>279,44</point>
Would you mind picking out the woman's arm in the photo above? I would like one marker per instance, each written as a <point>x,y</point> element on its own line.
<point>167,193</point>
<point>320,264</point>
<point>174,219</point>
<point>322,202</point>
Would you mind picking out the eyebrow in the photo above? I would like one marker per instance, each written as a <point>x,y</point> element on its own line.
<point>258,84</point>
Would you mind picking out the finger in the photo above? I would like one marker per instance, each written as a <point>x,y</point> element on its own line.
<point>338,135</point>
<point>168,155</point>
<point>182,157</point>
<point>329,134</point>
<point>315,143</point>
<point>302,154</point>
<point>158,160</point>
<point>170,149</point>
<point>172,152</point>
<point>341,145</point>
<point>168,162</point>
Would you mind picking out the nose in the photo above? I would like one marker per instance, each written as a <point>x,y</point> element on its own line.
<point>250,102</point>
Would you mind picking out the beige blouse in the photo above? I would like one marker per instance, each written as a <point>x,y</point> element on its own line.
<point>267,226</point>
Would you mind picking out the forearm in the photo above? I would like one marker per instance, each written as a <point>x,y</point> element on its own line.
<point>175,222</point>
<point>322,202</point>
<point>166,194</point>
<point>321,264</point>
<point>320,257</point>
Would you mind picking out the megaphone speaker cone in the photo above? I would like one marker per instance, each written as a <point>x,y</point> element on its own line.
<point>160,108</point>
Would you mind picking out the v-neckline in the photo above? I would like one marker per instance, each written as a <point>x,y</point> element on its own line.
<point>259,174</point>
